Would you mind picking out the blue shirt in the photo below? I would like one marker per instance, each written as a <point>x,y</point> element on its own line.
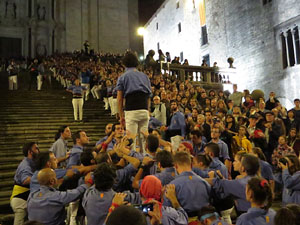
<point>171,216</point>
<point>101,140</point>
<point>24,170</point>
<point>197,149</point>
<point>219,222</point>
<point>166,176</point>
<point>123,178</point>
<point>59,149</point>
<point>256,216</point>
<point>201,173</point>
<point>216,164</point>
<point>133,81</point>
<point>223,150</point>
<point>291,190</point>
<point>34,184</point>
<point>47,205</point>
<point>77,90</point>
<point>266,170</point>
<point>178,123</point>
<point>94,199</point>
<point>154,123</point>
<point>192,192</point>
<point>85,77</point>
<point>74,159</point>
<point>235,188</point>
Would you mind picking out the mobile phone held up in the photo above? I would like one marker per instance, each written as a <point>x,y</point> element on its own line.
<point>145,208</point>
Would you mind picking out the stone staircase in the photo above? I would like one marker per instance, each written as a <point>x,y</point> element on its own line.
<point>36,116</point>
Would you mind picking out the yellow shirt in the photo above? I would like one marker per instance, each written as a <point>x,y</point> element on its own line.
<point>244,143</point>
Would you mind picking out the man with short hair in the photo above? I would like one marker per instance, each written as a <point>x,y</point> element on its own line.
<point>296,109</point>
<point>108,132</point>
<point>80,139</point>
<point>236,96</point>
<point>223,155</point>
<point>272,101</point>
<point>135,88</point>
<point>192,191</point>
<point>198,144</point>
<point>177,125</point>
<point>237,188</point>
<point>213,151</point>
<point>272,132</point>
<point>22,180</point>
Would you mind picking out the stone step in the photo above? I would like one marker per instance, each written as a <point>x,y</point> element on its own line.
<point>36,116</point>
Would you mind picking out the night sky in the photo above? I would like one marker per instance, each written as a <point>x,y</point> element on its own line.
<point>147,8</point>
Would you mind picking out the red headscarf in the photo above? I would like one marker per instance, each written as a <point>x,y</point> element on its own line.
<point>151,188</point>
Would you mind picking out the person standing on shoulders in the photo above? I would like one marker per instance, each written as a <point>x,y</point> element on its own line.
<point>135,88</point>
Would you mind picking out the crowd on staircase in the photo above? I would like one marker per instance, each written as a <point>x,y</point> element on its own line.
<point>202,156</point>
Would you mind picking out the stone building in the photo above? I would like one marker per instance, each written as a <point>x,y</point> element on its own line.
<point>261,35</point>
<point>41,27</point>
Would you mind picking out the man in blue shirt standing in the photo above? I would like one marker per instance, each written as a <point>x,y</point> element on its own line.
<point>177,125</point>
<point>22,180</point>
<point>135,88</point>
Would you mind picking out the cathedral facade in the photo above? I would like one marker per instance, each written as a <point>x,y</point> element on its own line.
<point>41,27</point>
<point>262,36</point>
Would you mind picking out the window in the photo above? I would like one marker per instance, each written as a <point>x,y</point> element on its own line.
<point>181,56</point>
<point>179,27</point>
<point>158,46</point>
<point>177,5</point>
<point>156,26</point>
<point>266,1</point>
<point>204,35</point>
<point>290,48</point>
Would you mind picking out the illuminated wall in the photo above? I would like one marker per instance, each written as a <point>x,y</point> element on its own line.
<point>163,29</point>
<point>246,30</point>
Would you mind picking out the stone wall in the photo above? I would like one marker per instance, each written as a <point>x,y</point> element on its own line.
<point>108,25</point>
<point>250,33</point>
<point>246,30</point>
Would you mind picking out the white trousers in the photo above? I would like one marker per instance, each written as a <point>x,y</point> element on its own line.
<point>226,215</point>
<point>77,107</point>
<point>95,91</point>
<point>19,207</point>
<point>87,92</point>
<point>39,82</point>
<point>13,82</point>
<point>106,103</point>
<point>137,121</point>
<point>113,104</point>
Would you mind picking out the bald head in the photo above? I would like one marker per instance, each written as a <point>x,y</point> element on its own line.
<point>46,177</point>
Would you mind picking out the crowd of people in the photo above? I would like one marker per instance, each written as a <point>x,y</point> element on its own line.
<point>203,156</point>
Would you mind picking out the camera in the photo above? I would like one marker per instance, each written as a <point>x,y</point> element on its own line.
<point>145,208</point>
